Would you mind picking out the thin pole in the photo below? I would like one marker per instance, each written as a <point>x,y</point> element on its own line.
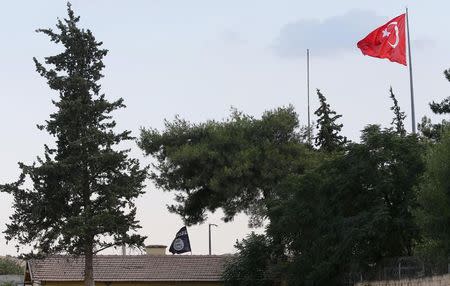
<point>413,113</point>
<point>211,224</point>
<point>209,238</point>
<point>307,87</point>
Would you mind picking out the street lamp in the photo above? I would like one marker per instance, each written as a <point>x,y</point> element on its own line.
<point>211,224</point>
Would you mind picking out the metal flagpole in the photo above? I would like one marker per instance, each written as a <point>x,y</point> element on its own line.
<point>413,115</point>
<point>307,86</point>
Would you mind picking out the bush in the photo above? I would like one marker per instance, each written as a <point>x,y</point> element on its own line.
<point>9,266</point>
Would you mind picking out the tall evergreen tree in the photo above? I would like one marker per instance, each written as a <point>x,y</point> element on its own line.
<point>82,192</point>
<point>328,138</point>
<point>399,116</point>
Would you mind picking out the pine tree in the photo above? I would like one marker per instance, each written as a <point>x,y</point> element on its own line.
<point>434,131</point>
<point>399,116</point>
<point>235,164</point>
<point>328,138</point>
<point>444,106</point>
<point>82,193</point>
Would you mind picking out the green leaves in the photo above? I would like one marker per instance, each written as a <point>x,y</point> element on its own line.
<point>399,116</point>
<point>381,175</point>
<point>344,206</point>
<point>10,266</point>
<point>442,107</point>
<point>351,210</point>
<point>252,266</point>
<point>328,138</point>
<point>434,131</point>
<point>82,191</point>
<point>233,165</point>
<point>434,200</point>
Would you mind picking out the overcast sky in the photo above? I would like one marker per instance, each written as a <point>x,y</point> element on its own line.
<point>198,58</point>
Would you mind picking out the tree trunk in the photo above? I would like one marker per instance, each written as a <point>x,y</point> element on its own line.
<point>89,265</point>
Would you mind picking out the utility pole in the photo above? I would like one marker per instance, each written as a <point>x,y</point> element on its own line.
<point>211,224</point>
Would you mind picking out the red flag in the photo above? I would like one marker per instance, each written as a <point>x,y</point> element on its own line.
<point>387,41</point>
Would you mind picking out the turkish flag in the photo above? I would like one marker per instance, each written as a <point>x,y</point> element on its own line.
<point>387,41</point>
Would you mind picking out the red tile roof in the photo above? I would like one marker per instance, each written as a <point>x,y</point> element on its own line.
<point>110,268</point>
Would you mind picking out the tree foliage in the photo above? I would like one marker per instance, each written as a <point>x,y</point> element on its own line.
<point>434,199</point>
<point>399,116</point>
<point>355,208</point>
<point>430,131</point>
<point>302,221</point>
<point>329,211</point>
<point>252,265</point>
<point>434,131</point>
<point>442,107</point>
<point>378,179</point>
<point>9,266</point>
<point>82,191</point>
<point>233,165</point>
<point>328,136</point>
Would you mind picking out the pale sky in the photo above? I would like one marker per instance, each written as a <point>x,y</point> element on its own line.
<point>198,58</point>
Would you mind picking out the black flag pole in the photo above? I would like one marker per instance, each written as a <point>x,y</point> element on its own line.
<point>411,85</point>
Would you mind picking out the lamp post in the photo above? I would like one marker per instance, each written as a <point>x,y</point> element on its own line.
<point>209,226</point>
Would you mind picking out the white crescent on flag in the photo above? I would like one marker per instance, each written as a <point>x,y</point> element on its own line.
<point>397,38</point>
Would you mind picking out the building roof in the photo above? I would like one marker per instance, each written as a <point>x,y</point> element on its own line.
<point>111,268</point>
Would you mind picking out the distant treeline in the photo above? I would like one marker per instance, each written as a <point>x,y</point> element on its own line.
<point>10,266</point>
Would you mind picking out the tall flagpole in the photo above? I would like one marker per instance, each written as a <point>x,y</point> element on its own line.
<point>307,86</point>
<point>413,113</point>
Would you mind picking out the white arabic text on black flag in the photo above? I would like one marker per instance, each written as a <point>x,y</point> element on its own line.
<point>181,243</point>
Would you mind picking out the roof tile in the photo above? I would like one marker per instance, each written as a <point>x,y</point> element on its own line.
<point>112,268</point>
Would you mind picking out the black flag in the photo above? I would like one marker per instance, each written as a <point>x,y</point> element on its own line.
<point>181,242</point>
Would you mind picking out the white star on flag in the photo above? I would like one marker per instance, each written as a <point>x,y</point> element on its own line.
<point>386,33</point>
